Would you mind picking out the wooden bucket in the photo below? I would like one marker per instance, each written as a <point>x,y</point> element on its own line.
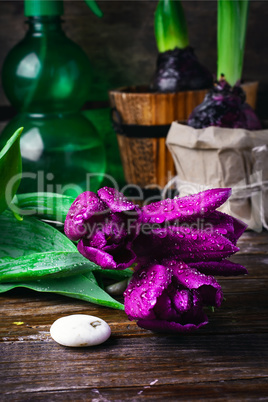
<point>142,119</point>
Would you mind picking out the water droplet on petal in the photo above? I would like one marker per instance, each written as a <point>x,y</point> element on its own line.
<point>142,275</point>
<point>144,295</point>
<point>79,218</point>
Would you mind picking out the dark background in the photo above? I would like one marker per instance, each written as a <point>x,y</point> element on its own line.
<point>121,45</point>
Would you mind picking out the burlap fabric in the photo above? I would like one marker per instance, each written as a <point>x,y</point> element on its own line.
<point>221,157</point>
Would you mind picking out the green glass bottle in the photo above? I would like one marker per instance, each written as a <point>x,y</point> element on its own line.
<point>46,77</point>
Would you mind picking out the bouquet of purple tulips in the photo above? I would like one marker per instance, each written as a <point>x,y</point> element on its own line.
<point>174,246</point>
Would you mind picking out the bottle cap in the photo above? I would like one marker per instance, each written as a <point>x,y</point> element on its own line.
<point>37,8</point>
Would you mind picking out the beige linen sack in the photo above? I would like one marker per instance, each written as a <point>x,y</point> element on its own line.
<point>221,157</point>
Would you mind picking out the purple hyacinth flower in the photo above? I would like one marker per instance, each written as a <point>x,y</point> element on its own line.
<point>103,224</point>
<point>171,298</point>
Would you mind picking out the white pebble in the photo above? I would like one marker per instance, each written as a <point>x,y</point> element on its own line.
<point>80,330</point>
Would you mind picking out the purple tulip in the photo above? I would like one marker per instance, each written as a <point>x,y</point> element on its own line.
<point>171,298</point>
<point>103,224</point>
<point>174,245</point>
<point>114,233</point>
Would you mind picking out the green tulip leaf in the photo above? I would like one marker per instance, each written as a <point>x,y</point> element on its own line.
<point>50,206</point>
<point>20,238</point>
<point>30,250</point>
<point>10,169</point>
<point>42,265</point>
<point>82,287</point>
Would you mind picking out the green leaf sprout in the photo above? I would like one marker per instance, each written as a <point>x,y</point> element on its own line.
<point>170,26</point>
<point>94,7</point>
<point>232,25</point>
<point>10,167</point>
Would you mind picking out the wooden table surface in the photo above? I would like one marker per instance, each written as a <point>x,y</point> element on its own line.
<point>225,360</point>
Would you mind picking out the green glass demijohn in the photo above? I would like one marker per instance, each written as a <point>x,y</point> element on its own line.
<point>46,77</point>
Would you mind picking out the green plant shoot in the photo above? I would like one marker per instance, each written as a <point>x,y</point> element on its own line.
<point>10,168</point>
<point>232,25</point>
<point>170,26</point>
<point>94,7</point>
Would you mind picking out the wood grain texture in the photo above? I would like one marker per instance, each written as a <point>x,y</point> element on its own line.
<point>137,105</point>
<point>225,360</point>
<point>143,165</point>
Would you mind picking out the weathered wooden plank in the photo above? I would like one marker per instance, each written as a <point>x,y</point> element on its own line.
<point>253,243</point>
<point>252,236</point>
<point>133,362</point>
<point>246,390</point>
<point>240,312</point>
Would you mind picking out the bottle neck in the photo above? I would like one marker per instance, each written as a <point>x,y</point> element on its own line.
<point>44,24</point>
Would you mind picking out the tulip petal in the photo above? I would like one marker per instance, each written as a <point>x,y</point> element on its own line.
<point>192,245</point>
<point>165,309</point>
<point>221,268</point>
<point>86,206</point>
<point>97,256</point>
<point>182,300</point>
<point>145,287</point>
<point>97,239</point>
<point>226,225</point>
<point>207,286</point>
<point>239,228</point>
<point>185,209</point>
<point>112,257</point>
<point>182,243</point>
<point>115,200</point>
